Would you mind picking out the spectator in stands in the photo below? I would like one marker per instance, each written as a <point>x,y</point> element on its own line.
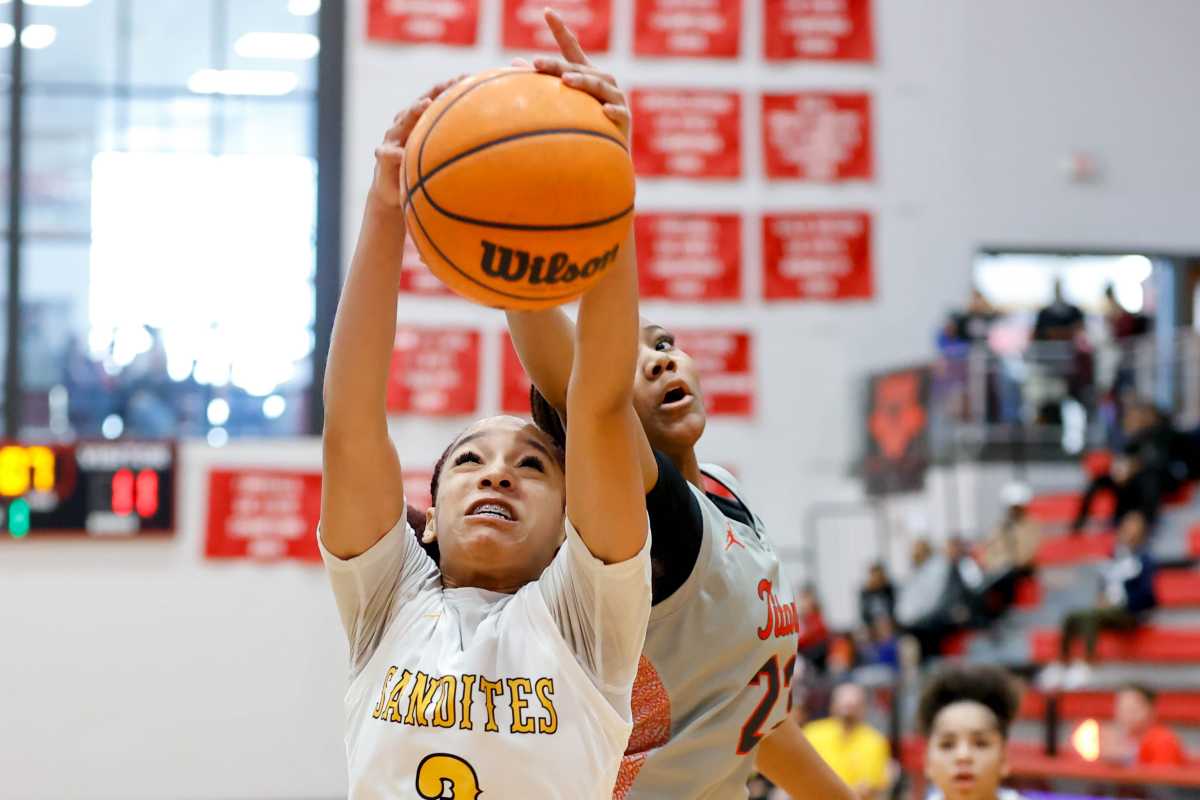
<point>877,598</point>
<point>919,603</point>
<point>1061,365</point>
<point>1135,737</point>
<point>813,641</point>
<point>883,645</point>
<point>1060,321</point>
<point>1122,323</point>
<point>1126,596</point>
<point>858,753</point>
<point>965,713</point>
<point>1013,545</point>
<point>1142,473</point>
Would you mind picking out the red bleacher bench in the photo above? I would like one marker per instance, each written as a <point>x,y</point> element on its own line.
<point>1059,550</point>
<point>1062,507</point>
<point>1172,707</point>
<point>1194,540</point>
<point>1177,588</point>
<point>1148,643</point>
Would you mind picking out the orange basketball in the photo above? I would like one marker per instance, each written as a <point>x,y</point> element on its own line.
<point>519,190</point>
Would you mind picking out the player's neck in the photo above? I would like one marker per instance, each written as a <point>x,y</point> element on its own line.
<point>689,467</point>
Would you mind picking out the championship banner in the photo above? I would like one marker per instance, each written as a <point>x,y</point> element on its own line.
<point>514,383</point>
<point>422,21</point>
<point>688,133</point>
<point>818,255</point>
<point>826,30</point>
<point>524,26</point>
<point>691,257</point>
<point>897,424</point>
<point>263,514</point>
<point>723,359</point>
<point>700,28</point>
<point>435,371</point>
<point>415,277</point>
<point>817,136</point>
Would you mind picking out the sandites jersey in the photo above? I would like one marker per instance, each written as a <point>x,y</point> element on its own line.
<point>454,692</point>
<point>716,670</point>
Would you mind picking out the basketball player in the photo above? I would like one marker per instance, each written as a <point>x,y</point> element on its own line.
<point>965,714</point>
<point>508,669</point>
<point>712,691</point>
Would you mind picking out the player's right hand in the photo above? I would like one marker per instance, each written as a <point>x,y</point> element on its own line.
<point>387,187</point>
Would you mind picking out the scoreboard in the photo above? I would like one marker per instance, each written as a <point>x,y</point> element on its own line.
<point>95,488</point>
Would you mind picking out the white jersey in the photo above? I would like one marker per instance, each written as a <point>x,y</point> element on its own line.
<point>715,674</point>
<point>454,692</point>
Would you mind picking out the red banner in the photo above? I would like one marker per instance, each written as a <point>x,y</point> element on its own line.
<point>525,24</point>
<point>435,371</point>
<point>514,383</point>
<point>829,30</point>
<point>691,133</point>
<point>700,28</point>
<point>441,22</point>
<point>415,277</point>
<point>263,513</point>
<point>820,255</point>
<point>416,488</point>
<point>723,359</point>
<point>818,136</point>
<point>690,257</point>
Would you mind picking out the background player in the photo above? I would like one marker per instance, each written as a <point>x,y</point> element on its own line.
<point>965,714</point>
<point>703,713</point>
<point>518,655</point>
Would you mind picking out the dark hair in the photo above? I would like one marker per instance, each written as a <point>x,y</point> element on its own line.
<point>1148,694</point>
<point>546,417</point>
<point>418,525</point>
<point>987,685</point>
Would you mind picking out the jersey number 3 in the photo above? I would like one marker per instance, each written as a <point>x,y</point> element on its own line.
<point>441,776</point>
<point>769,673</point>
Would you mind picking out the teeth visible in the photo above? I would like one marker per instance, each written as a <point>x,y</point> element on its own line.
<point>493,510</point>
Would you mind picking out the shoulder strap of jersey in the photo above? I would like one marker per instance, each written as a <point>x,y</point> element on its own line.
<point>725,480</point>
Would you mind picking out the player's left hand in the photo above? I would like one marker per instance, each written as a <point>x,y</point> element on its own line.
<point>578,72</point>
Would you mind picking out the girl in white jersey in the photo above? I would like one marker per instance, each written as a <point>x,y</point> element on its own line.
<point>505,668</point>
<point>712,693</point>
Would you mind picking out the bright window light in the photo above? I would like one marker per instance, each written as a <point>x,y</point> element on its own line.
<point>286,46</point>
<point>38,37</point>
<point>304,8</point>
<point>8,35</point>
<point>234,303</point>
<point>218,411</point>
<point>243,81</point>
<point>274,406</point>
<point>53,3</point>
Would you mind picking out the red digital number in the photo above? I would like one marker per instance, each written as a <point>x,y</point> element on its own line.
<point>122,492</point>
<point>147,493</point>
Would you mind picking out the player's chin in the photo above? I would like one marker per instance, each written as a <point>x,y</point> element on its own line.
<point>681,431</point>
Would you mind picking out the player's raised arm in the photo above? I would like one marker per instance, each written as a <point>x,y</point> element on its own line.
<point>545,340</point>
<point>362,495</point>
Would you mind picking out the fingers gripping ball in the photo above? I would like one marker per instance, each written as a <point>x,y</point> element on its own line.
<point>519,190</point>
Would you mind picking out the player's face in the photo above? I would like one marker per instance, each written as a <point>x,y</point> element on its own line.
<point>499,511</point>
<point>966,758</point>
<point>666,392</point>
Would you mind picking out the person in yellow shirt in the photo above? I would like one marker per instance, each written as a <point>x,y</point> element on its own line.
<point>858,753</point>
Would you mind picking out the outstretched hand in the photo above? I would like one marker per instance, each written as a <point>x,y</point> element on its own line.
<point>578,72</point>
<point>389,156</point>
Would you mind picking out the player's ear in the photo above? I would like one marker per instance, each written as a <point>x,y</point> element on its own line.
<point>429,535</point>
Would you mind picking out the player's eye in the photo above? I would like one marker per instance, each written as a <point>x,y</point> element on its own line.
<point>664,343</point>
<point>467,457</point>
<point>533,462</point>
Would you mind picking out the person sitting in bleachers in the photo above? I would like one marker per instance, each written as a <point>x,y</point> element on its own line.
<point>1135,737</point>
<point>1126,596</point>
<point>877,598</point>
<point>920,606</point>
<point>1142,473</point>
<point>1013,545</point>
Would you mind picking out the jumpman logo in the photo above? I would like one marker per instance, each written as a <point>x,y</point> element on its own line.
<point>731,539</point>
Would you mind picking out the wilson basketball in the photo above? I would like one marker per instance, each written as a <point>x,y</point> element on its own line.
<point>519,190</point>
